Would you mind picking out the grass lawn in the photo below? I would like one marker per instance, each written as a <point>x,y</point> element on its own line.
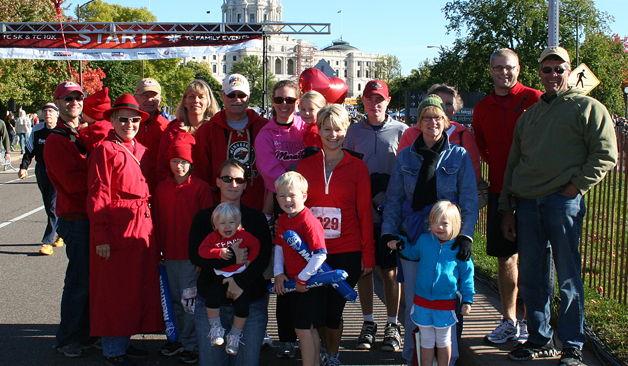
<point>606,317</point>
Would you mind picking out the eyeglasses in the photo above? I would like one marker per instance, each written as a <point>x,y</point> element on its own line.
<point>69,99</point>
<point>288,100</point>
<point>181,162</point>
<point>500,68</point>
<point>228,179</point>
<point>124,119</point>
<point>233,95</point>
<point>432,118</point>
<point>548,70</point>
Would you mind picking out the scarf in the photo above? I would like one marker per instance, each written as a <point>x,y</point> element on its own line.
<point>425,189</point>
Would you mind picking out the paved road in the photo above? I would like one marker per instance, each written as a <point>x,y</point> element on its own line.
<point>31,286</point>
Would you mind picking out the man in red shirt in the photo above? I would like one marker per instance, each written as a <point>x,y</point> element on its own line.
<point>148,96</point>
<point>494,120</point>
<point>66,162</point>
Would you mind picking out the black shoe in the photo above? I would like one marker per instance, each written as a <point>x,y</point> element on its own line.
<point>136,353</point>
<point>529,351</point>
<point>122,360</point>
<point>171,349</point>
<point>188,357</point>
<point>367,335</point>
<point>570,357</point>
<point>392,338</point>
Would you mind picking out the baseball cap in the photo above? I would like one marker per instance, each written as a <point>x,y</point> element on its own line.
<point>375,87</point>
<point>66,88</point>
<point>148,84</point>
<point>555,51</point>
<point>236,82</point>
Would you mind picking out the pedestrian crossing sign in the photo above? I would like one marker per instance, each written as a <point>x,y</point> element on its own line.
<point>582,77</point>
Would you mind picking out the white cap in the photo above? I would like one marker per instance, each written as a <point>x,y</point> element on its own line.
<point>236,82</point>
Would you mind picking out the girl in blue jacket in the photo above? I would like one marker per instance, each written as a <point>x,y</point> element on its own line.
<point>439,276</point>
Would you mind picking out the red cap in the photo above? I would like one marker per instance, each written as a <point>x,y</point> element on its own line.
<point>376,87</point>
<point>66,88</point>
<point>96,104</point>
<point>125,101</point>
<point>181,147</point>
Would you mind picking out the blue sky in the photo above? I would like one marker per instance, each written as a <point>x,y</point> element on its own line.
<point>402,28</point>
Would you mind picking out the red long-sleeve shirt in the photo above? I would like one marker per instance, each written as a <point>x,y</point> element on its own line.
<point>212,246</point>
<point>309,230</point>
<point>149,135</point>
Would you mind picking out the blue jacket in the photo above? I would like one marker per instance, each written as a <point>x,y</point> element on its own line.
<point>439,271</point>
<point>455,181</point>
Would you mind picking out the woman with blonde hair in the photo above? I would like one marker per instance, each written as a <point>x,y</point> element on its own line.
<point>196,107</point>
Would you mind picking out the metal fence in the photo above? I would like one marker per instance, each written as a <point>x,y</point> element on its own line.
<point>603,245</point>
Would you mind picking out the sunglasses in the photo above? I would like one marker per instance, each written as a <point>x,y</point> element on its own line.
<point>547,70</point>
<point>69,99</point>
<point>228,179</point>
<point>500,68</point>
<point>288,100</point>
<point>124,119</point>
<point>233,95</point>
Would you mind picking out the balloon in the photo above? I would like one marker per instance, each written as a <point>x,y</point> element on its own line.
<point>337,90</point>
<point>333,89</point>
<point>319,279</point>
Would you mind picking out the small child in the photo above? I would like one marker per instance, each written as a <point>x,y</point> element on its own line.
<point>440,273</point>
<point>311,103</point>
<point>307,305</point>
<point>176,201</point>
<point>228,232</point>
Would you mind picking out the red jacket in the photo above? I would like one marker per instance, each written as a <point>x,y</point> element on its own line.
<point>170,134</point>
<point>149,135</point>
<point>67,169</point>
<point>216,142</point>
<point>124,289</point>
<point>211,247</point>
<point>349,189</point>
<point>494,126</point>
<point>468,142</point>
<point>311,136</point>
<point>93,134</point>
<point>309,230</point>
<point>174,207</point>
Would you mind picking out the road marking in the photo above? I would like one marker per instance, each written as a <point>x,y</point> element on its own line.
<point>21,217</point>
<point>17,179</point>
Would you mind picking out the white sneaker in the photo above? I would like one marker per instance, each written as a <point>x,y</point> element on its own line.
<point>216,334</point>
<point>267,342</point>
<point>505,331</point>
<point>523,331</point>
<point>233,343</point>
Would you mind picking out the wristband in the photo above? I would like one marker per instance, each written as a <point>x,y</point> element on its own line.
<point>301,282</point>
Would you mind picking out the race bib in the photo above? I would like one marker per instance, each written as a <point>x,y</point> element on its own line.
<point>331,219</point>
<point>188,297</point>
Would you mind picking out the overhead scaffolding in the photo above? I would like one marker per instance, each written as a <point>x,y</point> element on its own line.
<point>141,41</point>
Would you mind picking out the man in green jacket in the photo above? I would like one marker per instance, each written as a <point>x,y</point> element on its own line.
<point>562,147</point>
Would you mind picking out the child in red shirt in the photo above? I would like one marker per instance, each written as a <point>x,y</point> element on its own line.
<point>308,305</point>
<point>228,232</point>
<point>311,103</point>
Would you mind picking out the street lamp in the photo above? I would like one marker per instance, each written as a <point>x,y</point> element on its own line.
<point>78,16</point>
<point>209,14</point>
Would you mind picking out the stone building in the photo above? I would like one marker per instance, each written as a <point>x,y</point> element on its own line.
<point>288,57</point>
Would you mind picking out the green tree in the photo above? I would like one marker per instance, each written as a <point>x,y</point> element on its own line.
<point>252,69</point>
<point>482,26</point>
<point>419,79</point>
<point>386,68</point>
<point>100,11</point>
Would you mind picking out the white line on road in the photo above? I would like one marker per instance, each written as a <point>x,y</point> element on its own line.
<point>21,217</point>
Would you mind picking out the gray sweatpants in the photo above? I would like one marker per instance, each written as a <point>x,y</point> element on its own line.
<point>182,279</point>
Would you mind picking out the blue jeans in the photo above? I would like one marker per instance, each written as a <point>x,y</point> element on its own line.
<point>556,219</point>
<point>115,346</point>
<point>49,195</point>
<point>253,335</point>
<point>409,269</point>
<point>74,325</point>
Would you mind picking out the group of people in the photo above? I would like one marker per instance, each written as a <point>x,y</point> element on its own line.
<point>126,189</point>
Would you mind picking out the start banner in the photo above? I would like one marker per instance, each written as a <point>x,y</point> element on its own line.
<point>117,46</point>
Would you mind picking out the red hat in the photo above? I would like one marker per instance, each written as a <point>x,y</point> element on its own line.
<point>376,87</point>
<point>182,147</point>
<point>125,101</point>
<point>96,104</point>
<point>66,88</point>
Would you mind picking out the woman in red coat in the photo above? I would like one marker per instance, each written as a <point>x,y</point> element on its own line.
<point>339,196</point>
<point>124,277</point>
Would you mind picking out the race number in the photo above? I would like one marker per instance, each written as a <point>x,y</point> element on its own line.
<point>330,218</point>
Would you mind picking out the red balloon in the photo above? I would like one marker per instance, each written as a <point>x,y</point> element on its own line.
<point>337,90</point>
<point>313,79</point>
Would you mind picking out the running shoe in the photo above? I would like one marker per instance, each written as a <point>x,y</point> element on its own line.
<point>216,335</point>
<point>287,350</point>
<point>171,349</point>
<point>72,350</point>
<point>570,357</point>
<point>506,331</point>
<point>367,335</point>
<point>58,243</point>
<point>188,357</point>
<point>233,343</point>
<point>332,359</point>
<point>392,338</point>
<point>529,351</point>
<point>523,331</point>
<point>46,249</point>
